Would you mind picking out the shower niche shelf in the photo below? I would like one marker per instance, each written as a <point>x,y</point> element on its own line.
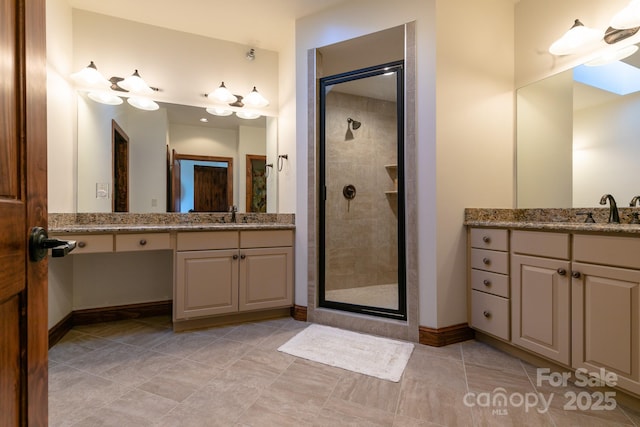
<point>392,170</point>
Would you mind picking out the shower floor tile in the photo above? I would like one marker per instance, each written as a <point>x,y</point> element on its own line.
<point>383,296</point>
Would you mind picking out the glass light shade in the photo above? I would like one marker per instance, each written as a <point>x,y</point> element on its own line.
<point>143,103</point>
<point>135,84</point>
<point>255,99</point>
<point>629,17</point>
<point>610,57</point>
<point>248,115</point>
<point>219,111</point>
<point>577,38</point>
<point>222,94</point>
<point>105,97</point>
<point>91,77</point>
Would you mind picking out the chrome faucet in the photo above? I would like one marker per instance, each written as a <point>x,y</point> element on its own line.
<point>635,216</point>
<point>613,208</point>
<point>233,209</point>
<point>633,201</point>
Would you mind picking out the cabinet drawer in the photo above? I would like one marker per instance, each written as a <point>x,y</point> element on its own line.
<point>493,283</point>
<point>495,261</point>
<point>607,250</point>
<point>266,238</point>
<point>89,243</point>
<point>142,242</point>
<point>489,238</point>
<point>541,243</point>
<point>205,240</point>
<point>490,314</point>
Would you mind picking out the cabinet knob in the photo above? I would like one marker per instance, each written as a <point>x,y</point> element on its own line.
<point>243,256</point>
<point>561,271</point>
<point>486,261</point>
<point>486,282</point>
<point>576,275</point>
<point>81,244</point>
<point>235,256</point>
<point>486,313</point>
<point>143,242</point>
<point>486,239</point>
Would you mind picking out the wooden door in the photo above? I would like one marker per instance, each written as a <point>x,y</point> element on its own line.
<point>120,144</point>
<point>210,189</point>
<point>23,185</point>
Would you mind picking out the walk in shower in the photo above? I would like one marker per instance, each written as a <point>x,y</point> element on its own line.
<point>361,192</point>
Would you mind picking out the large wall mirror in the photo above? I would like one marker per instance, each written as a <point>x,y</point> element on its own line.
<point>176,159</point>
<point>577,136</point>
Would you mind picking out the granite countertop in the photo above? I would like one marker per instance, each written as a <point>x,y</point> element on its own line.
<point>140,223</point>
<point>551,220</point>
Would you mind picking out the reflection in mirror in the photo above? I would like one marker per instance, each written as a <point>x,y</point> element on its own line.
<point>152,137</point>
<point>361,239</point>
<point>577,137</point>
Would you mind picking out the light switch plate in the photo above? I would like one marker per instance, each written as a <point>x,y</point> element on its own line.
<point>102,190</point>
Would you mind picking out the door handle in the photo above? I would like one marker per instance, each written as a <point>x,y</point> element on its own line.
<point>39,244</point>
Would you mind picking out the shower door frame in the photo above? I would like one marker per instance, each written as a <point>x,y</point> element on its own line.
<point>397,67</point>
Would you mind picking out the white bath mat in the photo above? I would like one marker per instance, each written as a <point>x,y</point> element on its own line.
<point>366,354</point>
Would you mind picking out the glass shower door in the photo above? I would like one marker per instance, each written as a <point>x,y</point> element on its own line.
<point>362,262</point>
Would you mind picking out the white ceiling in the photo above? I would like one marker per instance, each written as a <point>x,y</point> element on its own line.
<point>264,24</point>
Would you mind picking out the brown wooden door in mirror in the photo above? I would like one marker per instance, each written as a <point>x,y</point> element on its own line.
<point>120,169</point>
<point>210,189</point>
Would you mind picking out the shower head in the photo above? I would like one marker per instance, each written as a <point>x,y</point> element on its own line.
<point>354,123</point>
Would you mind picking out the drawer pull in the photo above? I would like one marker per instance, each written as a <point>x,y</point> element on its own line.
<point>576,274</point>
<point>81,244</point>
<point>143,242</point>
<point>235,256</point>
<point>486,282</point>
<point>486,261</point>
<point>486,239</point>
<point>561,271</point>
<point>243,256</point>
<point>486,313</point>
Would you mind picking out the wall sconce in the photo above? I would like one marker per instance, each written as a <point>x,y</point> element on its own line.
<point>101,89</point>
<point>623,25</point>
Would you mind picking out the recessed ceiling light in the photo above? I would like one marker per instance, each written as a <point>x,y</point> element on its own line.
<point>204,119</point>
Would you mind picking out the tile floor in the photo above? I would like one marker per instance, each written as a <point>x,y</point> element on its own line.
<point>140,373</point>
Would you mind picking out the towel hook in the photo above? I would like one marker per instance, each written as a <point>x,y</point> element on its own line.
<point>266,169</point>
<point>281,159</point>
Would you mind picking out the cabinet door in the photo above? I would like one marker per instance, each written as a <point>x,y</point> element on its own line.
<point>606,327</point>
<point>266,278</point>
<point>540,303</point>
<point>206,283</point>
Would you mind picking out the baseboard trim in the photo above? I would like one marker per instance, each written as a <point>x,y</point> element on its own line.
<point>60,329</point>
<point>299,313</point>
<point>444,336</point>
<point>107,314</point>
<point>122,312</point>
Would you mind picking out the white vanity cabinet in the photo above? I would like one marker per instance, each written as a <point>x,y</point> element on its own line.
<point>221,272</point>
<point>540,293</point>
<point>490,281</point>
<point>606,306</point>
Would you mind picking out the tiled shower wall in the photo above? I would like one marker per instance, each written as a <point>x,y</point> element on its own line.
<point>361,234</point>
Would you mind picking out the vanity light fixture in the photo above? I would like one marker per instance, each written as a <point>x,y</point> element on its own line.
<point>219,111</point>
<point>610,57</point>
<point>248,115</point>
<point>91,77</point>
<point>104,97</point>
<point>143,103</point>
<point>135,84</point>
<point>222,94</point>
<point>627,18</point>
<point>576,39</point>
<point>255,99</point>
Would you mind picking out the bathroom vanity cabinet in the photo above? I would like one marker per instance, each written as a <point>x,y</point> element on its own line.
<point>220,273</point>
<point>229,272</point>
<point>574,297</point>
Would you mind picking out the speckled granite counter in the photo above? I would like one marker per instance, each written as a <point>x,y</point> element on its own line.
<point>162,222</point>
<point>551,219</point>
